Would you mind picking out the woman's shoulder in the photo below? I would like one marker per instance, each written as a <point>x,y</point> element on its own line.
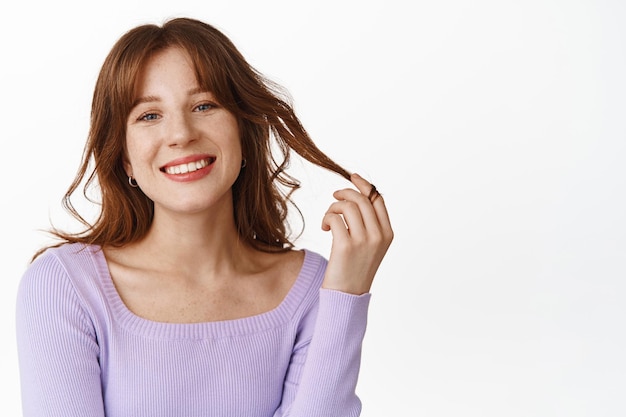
<point>68,254</point>
<point>305,289</point>
<point>314,265</point>
<point>61,263</point>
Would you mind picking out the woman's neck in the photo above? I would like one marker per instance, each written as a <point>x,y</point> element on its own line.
<point>197,244</point>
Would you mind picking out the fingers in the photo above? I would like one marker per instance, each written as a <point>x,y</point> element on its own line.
<point>376,200</point>
<point>353,220</point>
<point>361,232</point>
<point>358,208</point>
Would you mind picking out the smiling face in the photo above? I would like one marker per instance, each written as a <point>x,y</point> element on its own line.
<point>183,147</point>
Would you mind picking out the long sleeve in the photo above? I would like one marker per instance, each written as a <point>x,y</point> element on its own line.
<point>83,353</point>
<point>323,373</point>
<point>57,347</point>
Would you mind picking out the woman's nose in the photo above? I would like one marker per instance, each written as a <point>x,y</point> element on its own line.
<point>180,130</point>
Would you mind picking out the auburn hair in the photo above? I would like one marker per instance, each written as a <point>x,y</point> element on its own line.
<point>269,131</point>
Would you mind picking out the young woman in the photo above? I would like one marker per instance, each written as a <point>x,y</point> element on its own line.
<point>186,297</point>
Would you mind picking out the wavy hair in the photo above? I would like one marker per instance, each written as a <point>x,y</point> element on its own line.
<point>269,132</point>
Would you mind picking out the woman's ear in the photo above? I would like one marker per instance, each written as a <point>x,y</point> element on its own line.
<point>128,168</point>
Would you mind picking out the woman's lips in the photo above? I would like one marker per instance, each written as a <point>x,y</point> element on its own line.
<point>185,168</point>
<point>187,164</point>
<point>189,168</point>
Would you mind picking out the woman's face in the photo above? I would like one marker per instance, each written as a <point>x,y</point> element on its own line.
<point>183,147</point>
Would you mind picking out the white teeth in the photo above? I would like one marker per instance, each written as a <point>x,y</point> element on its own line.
<point>185,168</point>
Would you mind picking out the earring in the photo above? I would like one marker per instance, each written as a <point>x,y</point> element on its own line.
<point>244,163</point>
<point>132,182</point>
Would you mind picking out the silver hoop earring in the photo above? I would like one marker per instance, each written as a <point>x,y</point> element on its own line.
<point>132,182</point>
<point>244,163</point>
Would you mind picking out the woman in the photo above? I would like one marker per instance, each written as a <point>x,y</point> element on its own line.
<point>186,297</point>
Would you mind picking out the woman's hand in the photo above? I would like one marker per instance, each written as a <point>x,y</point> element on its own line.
<point>361,236</point>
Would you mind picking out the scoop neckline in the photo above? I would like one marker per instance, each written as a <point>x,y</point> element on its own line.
<point>278,316</point>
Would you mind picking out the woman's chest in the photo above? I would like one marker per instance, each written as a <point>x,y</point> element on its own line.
<point>224,376</point>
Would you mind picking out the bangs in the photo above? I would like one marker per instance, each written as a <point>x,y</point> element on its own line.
<point>211,58</point>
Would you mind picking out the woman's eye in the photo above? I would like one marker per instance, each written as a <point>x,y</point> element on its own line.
<point>204,107</point>
<point>149,116</point>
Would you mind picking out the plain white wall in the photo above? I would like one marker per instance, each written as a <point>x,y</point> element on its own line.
<point>495,130</point>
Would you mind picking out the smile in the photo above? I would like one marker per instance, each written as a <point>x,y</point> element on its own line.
<point>188,167</point>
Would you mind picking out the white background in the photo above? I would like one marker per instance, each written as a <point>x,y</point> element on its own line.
<point>495,129</point>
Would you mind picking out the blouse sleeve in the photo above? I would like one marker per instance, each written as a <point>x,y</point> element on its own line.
<point>324,369</point>
<point>57,346</point>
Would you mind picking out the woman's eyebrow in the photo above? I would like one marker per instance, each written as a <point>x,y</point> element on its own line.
<point>197,90</point>
<point>145,99</point>
<point>153,99</point>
